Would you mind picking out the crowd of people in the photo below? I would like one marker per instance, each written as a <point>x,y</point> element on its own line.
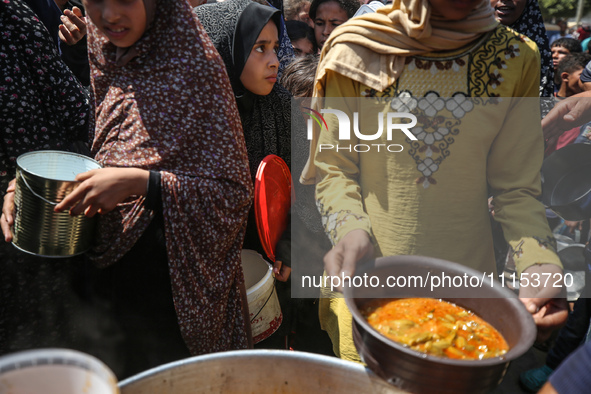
<point>181,101</point>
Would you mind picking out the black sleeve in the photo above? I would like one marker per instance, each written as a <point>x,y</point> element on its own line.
<point>154,195</point>
<point>76,58</point>
<point>283,247</point>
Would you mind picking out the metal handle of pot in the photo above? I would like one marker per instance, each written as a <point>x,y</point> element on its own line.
<point>35,194</point>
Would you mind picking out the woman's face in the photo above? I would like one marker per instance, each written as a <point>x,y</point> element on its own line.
<point>122,21</point>
<point>260,71</point>
<point>329,15</point>
<point>303,47</point>
<point>454,10</point>
<point>508,11</point>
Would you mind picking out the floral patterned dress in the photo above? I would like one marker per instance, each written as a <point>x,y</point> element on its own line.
<point>167,105</point>
<point>42,107</point>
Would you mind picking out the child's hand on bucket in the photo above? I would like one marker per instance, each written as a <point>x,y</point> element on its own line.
<point>101,190</point>
<point>281,271</point>
<point>7,218</point>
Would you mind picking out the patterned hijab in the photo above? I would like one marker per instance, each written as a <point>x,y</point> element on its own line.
<point>266,120</point>
<point>166,105</point>
<point>531,24</point>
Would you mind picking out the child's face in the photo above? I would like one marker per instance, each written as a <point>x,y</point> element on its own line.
<point>557,54</point>
<point>303,47</point>
<point>122,21</point>
<point>329,15</point>
<point>260,71</point>
<point>573,82</point>
<point>454,10</point>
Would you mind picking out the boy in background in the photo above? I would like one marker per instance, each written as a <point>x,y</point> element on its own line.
<point>569,73</point>
<point>561,48</point>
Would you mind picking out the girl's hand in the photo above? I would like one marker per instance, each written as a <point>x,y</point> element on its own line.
<point>573,226</point>
<point>101,190</point>
<point>343,258</point>
<point>7,218</point>
<point>281,271</point>
<point>73,28</point>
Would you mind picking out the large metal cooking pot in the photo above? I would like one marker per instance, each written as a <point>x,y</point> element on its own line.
<point>420,373</point>
<point>257,371</point>
<point>566,182</point>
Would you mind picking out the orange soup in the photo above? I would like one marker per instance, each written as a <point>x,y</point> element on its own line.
<point>435,327</point>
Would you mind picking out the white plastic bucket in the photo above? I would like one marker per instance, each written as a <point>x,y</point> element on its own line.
<point>263,304</point>
<point>55,371</point>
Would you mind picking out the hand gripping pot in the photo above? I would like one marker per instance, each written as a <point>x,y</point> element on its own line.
<point>43,179</point>
<point>417,372</point>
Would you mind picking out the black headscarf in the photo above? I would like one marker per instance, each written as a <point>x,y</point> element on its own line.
<point>234,26</point>
<point>266,120</point>
<point>251,22</point>
<point>531,24</point>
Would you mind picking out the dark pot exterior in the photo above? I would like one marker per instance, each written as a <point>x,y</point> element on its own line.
<point>566,182</point>
<point>420,373</point>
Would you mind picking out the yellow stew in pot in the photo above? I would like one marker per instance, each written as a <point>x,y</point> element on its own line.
<point>435,327</point>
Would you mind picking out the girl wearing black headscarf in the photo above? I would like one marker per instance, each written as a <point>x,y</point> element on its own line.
<point>234,27</point>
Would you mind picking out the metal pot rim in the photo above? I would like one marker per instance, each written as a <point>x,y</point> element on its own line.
<point>514,351</point>
<point>249,354</point>
<point>28,173</point>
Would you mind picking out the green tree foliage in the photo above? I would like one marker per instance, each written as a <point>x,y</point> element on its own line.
<point>560,8</point>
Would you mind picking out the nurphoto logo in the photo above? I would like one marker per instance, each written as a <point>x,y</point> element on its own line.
<point>390,118</point>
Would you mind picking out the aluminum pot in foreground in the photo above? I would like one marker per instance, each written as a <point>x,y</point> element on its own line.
<point>258,371</point>
<point>421,373</point>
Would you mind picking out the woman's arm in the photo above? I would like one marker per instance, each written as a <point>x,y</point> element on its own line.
<point>338,191</point>
<point>101,190</point>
